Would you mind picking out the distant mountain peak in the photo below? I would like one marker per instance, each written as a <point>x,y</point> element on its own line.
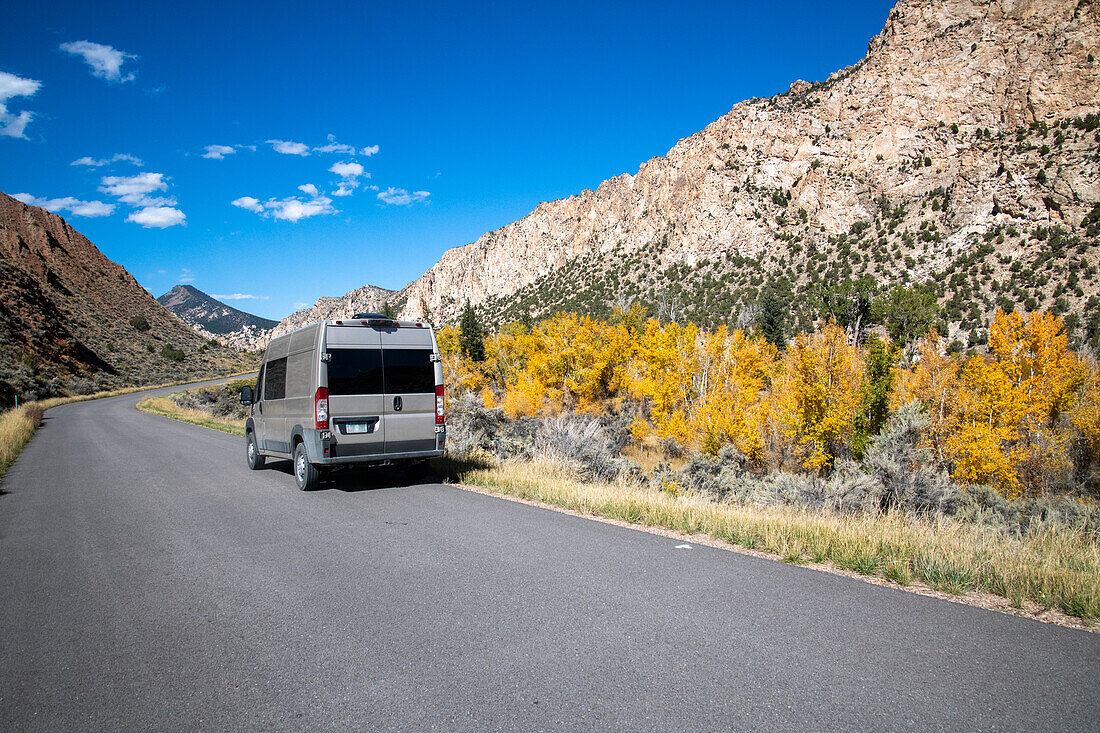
<point>215,319</point>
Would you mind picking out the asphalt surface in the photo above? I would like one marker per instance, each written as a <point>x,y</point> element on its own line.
<point>148,580</point>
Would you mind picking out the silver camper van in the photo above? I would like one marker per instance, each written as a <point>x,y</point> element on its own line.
<point>363,390</point>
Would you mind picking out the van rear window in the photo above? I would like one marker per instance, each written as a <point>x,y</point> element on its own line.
<point>409,371</point>
<point>355,371</point>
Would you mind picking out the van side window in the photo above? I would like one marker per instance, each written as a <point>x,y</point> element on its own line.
<point>409,371</point>
<point>275,380</point>
<point>259,382</point>
<point>355,371</point>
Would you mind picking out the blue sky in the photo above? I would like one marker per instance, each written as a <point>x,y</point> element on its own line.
<point>365,139</point>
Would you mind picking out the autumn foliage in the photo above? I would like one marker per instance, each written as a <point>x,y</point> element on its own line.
<point>1024,418</point>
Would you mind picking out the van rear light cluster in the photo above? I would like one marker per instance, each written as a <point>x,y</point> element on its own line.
<point>439,404</point>
<point>320,408</point>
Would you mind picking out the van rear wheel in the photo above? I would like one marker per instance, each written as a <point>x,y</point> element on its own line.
<point>255,459</point>
<point>306,474</point>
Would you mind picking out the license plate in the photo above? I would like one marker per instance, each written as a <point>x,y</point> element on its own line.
<point>352,428</point>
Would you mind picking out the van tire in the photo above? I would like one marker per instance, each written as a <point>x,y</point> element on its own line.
<point>306,474</point>
<point>252,453</point>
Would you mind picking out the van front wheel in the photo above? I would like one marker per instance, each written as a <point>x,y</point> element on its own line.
<point>306,474</point>
<point>255,459</point>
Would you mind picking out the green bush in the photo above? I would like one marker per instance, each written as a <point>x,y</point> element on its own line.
<point>140,323</point>
<point>171,353</point>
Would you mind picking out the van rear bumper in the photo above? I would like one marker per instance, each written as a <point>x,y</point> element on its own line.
<point>338,455</point>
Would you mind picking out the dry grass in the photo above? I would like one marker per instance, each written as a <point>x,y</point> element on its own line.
<point>17,424</point>
<point>1052,566</point>
<point>16,428</point>
<point>165,407</point>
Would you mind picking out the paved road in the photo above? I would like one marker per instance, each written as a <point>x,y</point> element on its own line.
<point>148,580</point>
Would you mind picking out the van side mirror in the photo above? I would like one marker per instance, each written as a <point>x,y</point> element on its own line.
<point>246,396</point>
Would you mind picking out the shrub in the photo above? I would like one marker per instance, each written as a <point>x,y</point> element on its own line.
<point>140,322</point>
<point>171,353</point>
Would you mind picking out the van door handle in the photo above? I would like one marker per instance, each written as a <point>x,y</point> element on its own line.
<point>397,404</point>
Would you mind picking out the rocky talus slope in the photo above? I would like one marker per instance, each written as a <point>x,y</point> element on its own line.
<point>67,316</point>
<point>216,320</point>
<point>962,151</point>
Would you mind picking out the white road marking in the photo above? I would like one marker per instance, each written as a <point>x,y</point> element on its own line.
<point>683,547</point>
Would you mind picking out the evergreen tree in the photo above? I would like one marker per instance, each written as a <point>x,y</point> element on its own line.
<point>908,313</point>
<point>388,310</point>
<point>471,340</point>
<point>874,395</point>
<point>771,321</point>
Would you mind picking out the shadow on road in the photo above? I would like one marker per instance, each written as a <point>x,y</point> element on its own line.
<point>353,480</point>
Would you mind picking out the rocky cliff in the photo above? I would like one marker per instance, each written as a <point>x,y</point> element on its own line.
<point>72,320</point>
<point>216,320</point>
<point>962,151</point>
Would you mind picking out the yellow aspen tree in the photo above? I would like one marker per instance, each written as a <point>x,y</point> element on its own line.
<point>817,394</point>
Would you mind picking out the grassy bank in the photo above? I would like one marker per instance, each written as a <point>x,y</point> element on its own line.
<point>165,407</point>
<point>17,424</point>
<point>1051,566</point>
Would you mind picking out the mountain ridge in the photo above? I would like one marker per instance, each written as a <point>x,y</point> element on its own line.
<point>957,144</point>
<point>216,320</point>
<point>72,320</point>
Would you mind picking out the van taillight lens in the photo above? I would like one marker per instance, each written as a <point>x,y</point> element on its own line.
<point>439,404</point>
<point>320,408</point>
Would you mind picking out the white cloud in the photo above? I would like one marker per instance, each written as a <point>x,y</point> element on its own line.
<point>158,217</point>
<point>76,207</point>
<point>152,211</point>
<point>300,305</point>
<point>14,125</point>
<point>240,296</point>
<point>100,162</point>
<point>336,148</point>
<point>401,197</point>
<point>349,173</point>
<point>347,170</point>
<point>291,208</point>
<point>344,149</point>
<point>287,147</point>
<point>106,61</point>
<point>249,203</point>
<point>186,276</point>
<point>135,190</point>
<point>217,152</point>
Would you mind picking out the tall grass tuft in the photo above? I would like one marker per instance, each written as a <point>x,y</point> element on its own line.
<point>17,426</point>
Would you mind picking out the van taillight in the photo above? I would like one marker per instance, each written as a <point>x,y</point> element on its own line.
<point>320,408</point>
<point>439,404</point>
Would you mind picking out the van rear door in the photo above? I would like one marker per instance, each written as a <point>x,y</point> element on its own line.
<point>410,379</point>
<point>355,397</point>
